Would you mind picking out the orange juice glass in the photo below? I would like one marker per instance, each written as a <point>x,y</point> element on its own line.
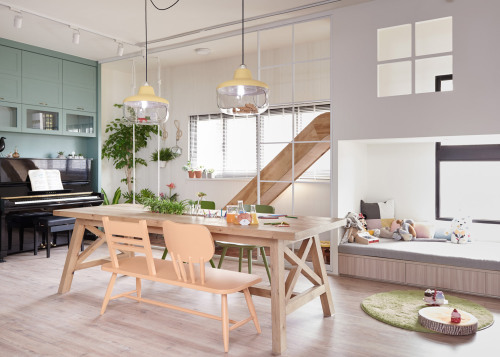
<point>231,213</point>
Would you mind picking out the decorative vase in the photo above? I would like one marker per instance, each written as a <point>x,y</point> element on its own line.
<point>163,164</point>
<point>61,157</point>
<point>210,175</point>
<point>197,174</point>
<point>191,174</point>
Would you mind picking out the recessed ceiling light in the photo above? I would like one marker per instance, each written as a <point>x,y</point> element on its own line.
<point>203,51</point>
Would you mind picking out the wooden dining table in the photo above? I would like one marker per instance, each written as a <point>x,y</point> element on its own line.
<point>302,230</point>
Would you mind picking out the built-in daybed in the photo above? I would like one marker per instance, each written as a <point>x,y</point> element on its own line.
<point>470,268</point>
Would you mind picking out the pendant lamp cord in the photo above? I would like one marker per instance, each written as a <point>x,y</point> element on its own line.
<point>146,26</point>
<point>242,32</point>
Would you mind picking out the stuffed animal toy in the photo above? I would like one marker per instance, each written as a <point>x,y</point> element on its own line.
<point>460,230</point>
<point>353,226</point>
<point>406,231</point>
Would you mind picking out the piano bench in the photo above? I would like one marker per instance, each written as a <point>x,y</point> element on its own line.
<point>51,225</point>
<point>22,221</point>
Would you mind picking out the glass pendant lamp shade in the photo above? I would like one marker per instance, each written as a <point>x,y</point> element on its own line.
<point>145,107</point>
<point>243,95</point>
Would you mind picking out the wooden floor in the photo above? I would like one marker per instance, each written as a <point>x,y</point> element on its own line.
<point>36,321</point>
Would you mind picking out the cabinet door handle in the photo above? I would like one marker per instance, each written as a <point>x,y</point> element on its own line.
<point>1,98</point>
<point>42,103</point>
<point>79,108</point>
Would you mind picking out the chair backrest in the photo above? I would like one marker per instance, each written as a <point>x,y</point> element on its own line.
<point>191,243</point>
<point>261,208</point>
<point>128,237</point>
<point>207,205</point>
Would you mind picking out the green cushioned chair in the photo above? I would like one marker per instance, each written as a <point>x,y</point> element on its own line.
<point>248,248</point>
<point>203,205</point>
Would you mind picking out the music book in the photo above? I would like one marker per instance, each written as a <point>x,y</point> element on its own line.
<point>44,180</point>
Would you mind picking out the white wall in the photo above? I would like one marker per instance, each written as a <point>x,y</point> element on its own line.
<point>405,173</point>
<point>470,109</point>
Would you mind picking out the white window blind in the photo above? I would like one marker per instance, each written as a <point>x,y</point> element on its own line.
<point>229,144</point>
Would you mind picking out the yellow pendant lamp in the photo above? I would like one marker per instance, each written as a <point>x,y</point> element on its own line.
<point>145,107</point>
<point>243,96</point>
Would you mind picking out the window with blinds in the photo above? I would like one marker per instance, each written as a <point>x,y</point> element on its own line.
<point>228,144</point>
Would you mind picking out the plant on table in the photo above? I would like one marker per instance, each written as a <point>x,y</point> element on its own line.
<point>159,205</point>
<point>171,197</point>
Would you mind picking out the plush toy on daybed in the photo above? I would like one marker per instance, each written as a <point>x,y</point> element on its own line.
<point>356,230</point>
<point>406,231</point>
<point>460,230</point>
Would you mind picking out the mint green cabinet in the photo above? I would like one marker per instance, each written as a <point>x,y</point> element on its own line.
<point>10,74</point>
<point>78,123</point>
<point>42,67</point>
<point>10,116</point>
<point>79,87</point>
<point>41,120</point>
<point>42,80</point>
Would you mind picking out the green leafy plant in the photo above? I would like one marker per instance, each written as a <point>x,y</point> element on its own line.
<point>210,171</point>
<point>140,197</point>
<point>118,146</point>
<point>60,152</point>
<point>116,197</point>
<point>159,205</point>
<point>166,154</point>
<point>188,167</point>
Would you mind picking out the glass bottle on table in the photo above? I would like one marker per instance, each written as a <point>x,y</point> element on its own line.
<point>253,214</point>
<point>241,208</point>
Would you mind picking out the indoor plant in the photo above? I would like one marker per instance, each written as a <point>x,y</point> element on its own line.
<point>166,154</point>
<point>189,169</point>
<point>160,205</point>
<point>119,145</point>
<point>210,173</point>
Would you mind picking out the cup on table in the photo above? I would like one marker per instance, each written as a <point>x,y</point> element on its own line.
<point>231,213</point>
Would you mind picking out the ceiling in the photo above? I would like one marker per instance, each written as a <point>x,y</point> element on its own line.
<point>104,23</point>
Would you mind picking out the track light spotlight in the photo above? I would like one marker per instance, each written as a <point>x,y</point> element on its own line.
<point>18,21</point>
<point>119,51</point>
<point>76,37</point>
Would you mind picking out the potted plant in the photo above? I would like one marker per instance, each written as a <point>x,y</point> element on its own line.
<point>189,169</point>
<point>166,154</point>
<point>118,147</point>
<point>197,173</point>
<point>60,155</point>
<point>210,173</point>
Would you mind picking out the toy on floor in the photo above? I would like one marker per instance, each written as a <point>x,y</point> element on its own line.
<point>406,231</point>
<point>460,230</point>
<point>434,297</point>
<point>455,316</point>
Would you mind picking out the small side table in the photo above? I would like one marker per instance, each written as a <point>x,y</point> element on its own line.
<point>438,318</point>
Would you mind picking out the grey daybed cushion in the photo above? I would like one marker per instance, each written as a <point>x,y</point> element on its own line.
<point>476,255</point>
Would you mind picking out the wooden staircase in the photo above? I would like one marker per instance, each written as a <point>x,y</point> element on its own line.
<point>280,168</point>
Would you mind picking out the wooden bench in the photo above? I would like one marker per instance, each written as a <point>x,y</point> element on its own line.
<point>191,246</point>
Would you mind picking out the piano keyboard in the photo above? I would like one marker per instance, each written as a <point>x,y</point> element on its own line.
<point>52,199</point>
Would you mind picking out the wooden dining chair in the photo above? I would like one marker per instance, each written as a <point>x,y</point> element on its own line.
<point>203,205</point>
<point>249,248</point>
<point>191,247</point>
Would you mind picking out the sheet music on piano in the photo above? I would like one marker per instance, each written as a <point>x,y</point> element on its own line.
<point>45,180</point>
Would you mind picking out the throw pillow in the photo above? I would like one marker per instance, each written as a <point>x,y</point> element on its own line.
<point>425,229</point>
<point>378,214</point>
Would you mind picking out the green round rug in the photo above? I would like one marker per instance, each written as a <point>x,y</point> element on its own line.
<point>400,308</point>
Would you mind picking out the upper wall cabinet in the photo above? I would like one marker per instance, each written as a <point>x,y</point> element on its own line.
<point>42,80</point>
<point>79,87</point>
<point>10,74</point>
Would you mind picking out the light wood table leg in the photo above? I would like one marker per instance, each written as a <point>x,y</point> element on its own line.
<point>320,269</point>
<point>278,302</point>
<point>72,257</point>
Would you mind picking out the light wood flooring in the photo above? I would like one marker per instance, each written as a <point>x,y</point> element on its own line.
<point>36,321</point>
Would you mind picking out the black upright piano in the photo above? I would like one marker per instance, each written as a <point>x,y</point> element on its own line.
<point>16,196</point>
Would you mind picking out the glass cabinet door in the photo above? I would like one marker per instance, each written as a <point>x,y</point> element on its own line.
<point>10,116</point>
<point>78,123</point>
<point>41,120</point>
